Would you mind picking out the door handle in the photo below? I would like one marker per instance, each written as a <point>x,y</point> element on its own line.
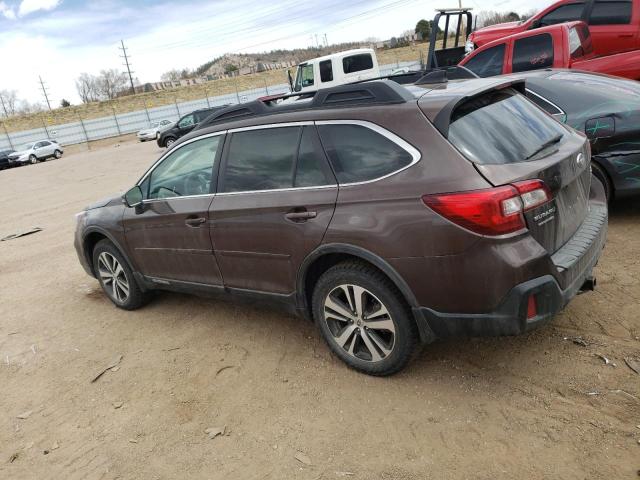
<point>195,222</point>
<point>625,35</point>
<point>300,216</point>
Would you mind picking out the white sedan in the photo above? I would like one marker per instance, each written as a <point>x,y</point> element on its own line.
<point>154,130</point>
<point>37,151</point>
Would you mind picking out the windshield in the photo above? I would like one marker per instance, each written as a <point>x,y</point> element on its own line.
<point>27,146</point>
<point>503,127</point>
<point>153,124</point>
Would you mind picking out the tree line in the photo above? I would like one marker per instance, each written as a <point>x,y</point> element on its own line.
<point>107,85</point>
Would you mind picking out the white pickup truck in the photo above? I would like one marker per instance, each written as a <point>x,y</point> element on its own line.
<point>335,69</point>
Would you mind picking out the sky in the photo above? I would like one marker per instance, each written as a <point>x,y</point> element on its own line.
<point>60,39</point>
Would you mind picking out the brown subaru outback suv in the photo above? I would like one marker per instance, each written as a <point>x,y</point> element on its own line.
<point>390,215</point>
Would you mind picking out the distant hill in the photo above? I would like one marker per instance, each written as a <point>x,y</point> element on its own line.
<point>257,62</point>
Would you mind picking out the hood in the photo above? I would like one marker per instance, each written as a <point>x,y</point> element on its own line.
<point>149,130</point>
<point>498,28</point>
<point>106,202</point>
<point>19,153</point>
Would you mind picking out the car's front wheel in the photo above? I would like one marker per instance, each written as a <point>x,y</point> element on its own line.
<point>364,319</point>
<point>116,277</point>
<point>57,154</point>
<point>169,141</point>
<point>33,159</point>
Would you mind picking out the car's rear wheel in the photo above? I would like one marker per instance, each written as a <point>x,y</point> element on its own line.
<point>364,319</point>
<point>601,175</point>
<point>33,159</point>
<point>57,154</point>
<point>169,141</point>
<point>116,277</point>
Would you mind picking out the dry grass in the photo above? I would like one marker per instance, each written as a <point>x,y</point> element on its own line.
<point>180,94</point>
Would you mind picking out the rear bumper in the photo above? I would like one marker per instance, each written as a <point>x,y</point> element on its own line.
<point>574,264</point>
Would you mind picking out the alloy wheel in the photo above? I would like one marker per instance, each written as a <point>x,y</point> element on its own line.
<point>113,277</point>
<point>359,322</point>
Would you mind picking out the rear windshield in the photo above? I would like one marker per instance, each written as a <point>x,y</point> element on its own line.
<point>502,127</point>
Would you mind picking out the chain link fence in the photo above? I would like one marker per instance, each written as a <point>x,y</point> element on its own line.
<point>116,124</point>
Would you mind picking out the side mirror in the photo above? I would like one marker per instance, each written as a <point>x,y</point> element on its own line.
<point>133,197</point>
<point>290,79</point>
<point>535,24</point>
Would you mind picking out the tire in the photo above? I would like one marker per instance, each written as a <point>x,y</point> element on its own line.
<point>169,141</point>
<point>33,159</point>
<point>57,154</point>
<point>112,270</point>
<point>364,343</point>
<point>601,175</point>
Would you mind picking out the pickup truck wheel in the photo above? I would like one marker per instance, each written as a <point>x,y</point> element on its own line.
<point>33,159</point>
<point>364,319</point>
<point>601,175</point>
<point>116,278</point>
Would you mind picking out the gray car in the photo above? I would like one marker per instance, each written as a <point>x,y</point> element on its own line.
<point>36,152</point>
<point>153,130</point>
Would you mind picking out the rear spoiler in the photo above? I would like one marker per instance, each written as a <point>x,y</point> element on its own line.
<point>443,118</point>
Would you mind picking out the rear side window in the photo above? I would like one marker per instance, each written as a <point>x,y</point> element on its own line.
<point>326,71</point>
<point>261,159</point>
<point>532,53</point>
<point>547,106</point>
<point>359,154</point>
<point>611,12</point>
<point>487,63</point>
<point>500,128</point>
<point>564,13</point>
<point>357,63</point>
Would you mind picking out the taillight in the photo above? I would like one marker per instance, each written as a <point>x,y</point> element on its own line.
<point>494,211</point>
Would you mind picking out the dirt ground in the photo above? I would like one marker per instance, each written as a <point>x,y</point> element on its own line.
<point>535,406</point>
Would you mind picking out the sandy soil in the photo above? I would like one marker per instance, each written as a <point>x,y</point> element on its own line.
<point>536,406</point>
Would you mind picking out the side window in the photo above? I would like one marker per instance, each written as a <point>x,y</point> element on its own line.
<point>487,63</point>
<point>186,171</point>
<point>326,71</point>
<point>261,160</point>
<point>611,12</point>
<point>359,154</point>
<point>311,169</point>
<point>186,121</point>
<point>357,63</point>
<point>575,44</point>
<point>532,53</point>
<point>564,13</point>
<point>307,75</point>
<point>546,105</point>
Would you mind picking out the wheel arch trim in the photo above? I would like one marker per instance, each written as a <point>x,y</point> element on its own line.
<point>88,255</point>
<point>362,253</point>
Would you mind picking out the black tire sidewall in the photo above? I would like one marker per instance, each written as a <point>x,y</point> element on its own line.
<point>378,285</point>
<point>601,175</point>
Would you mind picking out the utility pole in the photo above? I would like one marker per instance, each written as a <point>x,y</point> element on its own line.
<point>126,63</point>
<point>44,92</point>
<point>4,107</point>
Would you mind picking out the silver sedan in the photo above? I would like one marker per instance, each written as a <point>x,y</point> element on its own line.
<point>154,130</point>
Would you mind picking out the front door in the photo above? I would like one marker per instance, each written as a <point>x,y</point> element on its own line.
<point>276,196</point>
<point>169,234</point>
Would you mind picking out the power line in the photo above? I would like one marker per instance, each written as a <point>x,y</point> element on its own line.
<point>44,92</point>
<point>126,63</point>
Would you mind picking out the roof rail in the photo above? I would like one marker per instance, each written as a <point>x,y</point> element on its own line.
<point>376,92</point>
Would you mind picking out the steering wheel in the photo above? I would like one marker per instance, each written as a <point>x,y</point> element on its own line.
<point>196,183</point>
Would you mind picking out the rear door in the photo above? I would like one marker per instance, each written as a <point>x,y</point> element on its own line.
<point>169,234</point>
<point>510,140</point>
<point>276,196</point>
<point>614,25</point>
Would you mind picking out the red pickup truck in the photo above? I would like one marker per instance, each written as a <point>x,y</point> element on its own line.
<point>614,24</point>
<point>567,45</point>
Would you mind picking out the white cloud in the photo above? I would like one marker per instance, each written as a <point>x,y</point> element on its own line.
<point>7,11</point>
<point>30,6</point>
